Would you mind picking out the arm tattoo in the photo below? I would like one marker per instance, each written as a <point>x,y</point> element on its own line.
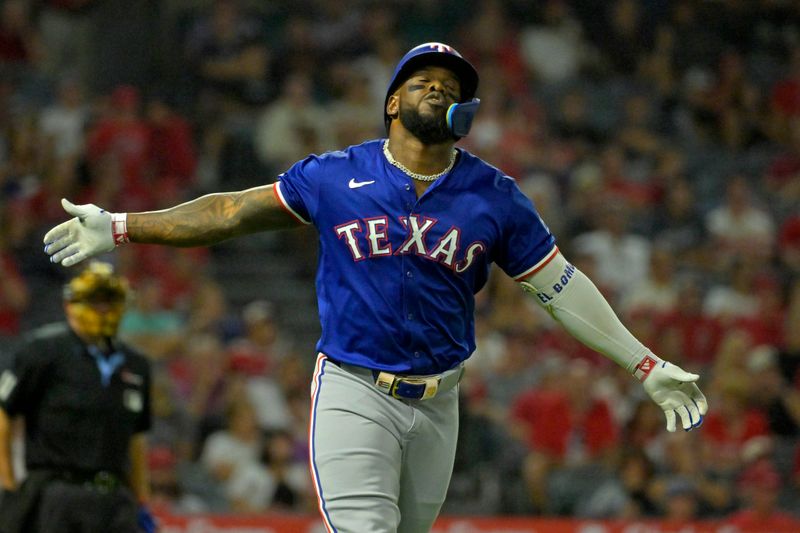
<point>211,219</point>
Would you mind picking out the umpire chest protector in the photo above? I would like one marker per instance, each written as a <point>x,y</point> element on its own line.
<point>73,420</point>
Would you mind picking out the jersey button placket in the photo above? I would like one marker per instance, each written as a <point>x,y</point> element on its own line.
<point>409,297</point>
<point>410,314</point>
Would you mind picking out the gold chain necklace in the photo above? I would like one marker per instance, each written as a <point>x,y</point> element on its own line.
<point>414,175</point>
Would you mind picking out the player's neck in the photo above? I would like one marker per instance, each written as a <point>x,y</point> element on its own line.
<point>418,157</point>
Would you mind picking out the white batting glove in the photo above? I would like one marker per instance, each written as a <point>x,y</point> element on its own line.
<point>92,232</point>
<point>674,390</point>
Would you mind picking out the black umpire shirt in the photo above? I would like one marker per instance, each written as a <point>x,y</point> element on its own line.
<point>72,420</point>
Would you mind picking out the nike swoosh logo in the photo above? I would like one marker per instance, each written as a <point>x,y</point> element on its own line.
<point>356,184</point>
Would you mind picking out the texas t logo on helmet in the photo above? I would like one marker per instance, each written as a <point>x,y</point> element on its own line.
<point>460,115</point>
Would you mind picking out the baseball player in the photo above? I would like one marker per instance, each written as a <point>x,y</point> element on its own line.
<point>408,229</point>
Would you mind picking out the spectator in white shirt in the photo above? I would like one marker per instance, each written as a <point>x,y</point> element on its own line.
<point>63,123</point>
<point>280,482</point>
<point>229,452</point>
<point>621,257</point>
<point>738,227</point>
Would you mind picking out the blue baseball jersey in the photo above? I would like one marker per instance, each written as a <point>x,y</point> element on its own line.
<point>397,274</point>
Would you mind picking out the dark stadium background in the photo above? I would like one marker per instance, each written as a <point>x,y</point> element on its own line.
<point>660,141</point>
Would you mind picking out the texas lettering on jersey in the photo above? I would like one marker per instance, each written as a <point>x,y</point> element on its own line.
<point>368,238</point>
<point>405,267</point>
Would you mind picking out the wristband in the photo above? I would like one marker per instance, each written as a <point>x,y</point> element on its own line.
<point>645,366</point>
<point>119,228</point>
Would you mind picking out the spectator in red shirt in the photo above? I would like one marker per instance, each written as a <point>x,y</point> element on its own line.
<point>785,98</point>
<point>172,151</point>
<point>687,334</point>
<point>619,185</point>
<point>759,487</point>
<point>14,296</point>
<point>179,271</point>
<point>123,137</point>
<point>567,429</point>
<point>730,424</point>
<point>767,325</point>
<point>789,242</point>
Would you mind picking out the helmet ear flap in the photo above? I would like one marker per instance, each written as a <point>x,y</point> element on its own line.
<point>460,116</point>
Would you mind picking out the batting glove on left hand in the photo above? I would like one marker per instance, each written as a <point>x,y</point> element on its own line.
<point>674,390</point>
<point>90,233</point>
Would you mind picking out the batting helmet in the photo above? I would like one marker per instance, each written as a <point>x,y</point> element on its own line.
<point>459,116</point>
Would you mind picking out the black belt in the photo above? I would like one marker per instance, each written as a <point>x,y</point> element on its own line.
<point>101,480</point>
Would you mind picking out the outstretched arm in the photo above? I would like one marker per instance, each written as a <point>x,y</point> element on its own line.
<point>211,218</point>
<point>201,222</point>
<point>573,300</point>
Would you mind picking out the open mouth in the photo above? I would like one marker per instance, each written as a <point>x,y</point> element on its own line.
<point>435,100</point>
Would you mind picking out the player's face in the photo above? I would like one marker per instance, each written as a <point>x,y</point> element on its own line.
<point>424,100</point>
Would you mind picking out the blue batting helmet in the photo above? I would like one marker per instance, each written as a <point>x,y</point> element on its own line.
<point>437,54</point>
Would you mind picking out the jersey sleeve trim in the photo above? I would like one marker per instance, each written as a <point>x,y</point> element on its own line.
<point>538,266</point>
<point>281,200</point>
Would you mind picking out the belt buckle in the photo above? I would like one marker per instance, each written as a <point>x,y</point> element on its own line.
<point>415,388</point>
<point>407,388</point>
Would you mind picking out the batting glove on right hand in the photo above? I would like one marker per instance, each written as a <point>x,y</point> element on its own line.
<point>89,234</point>
<point>674,390</point>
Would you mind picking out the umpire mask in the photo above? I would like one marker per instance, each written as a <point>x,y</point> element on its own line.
<point>95,301</point>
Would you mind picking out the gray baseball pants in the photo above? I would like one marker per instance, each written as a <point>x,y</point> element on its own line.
<point>379,464</point>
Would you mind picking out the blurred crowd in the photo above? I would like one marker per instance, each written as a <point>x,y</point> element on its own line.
<point>660,141</point>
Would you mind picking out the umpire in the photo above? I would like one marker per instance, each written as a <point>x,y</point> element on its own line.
<point>85,401</point>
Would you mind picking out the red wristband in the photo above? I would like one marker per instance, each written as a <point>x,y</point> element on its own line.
<point>645,366</point>
<point>119,228</point>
